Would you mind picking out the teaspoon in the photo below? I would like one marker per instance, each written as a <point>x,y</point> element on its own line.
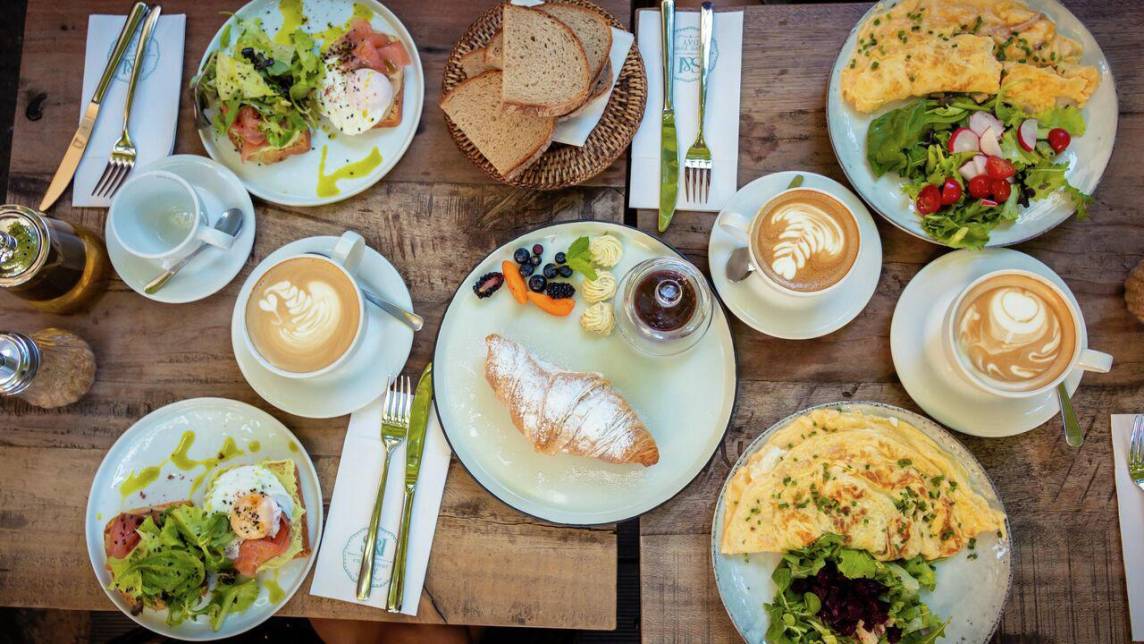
<point>408,318</point>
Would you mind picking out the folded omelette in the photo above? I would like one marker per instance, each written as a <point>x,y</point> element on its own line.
<point>880,483</point>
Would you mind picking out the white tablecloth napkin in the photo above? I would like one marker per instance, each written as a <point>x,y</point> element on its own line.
<point>155,110</point>
<point>336,571</point>
<point>721,130</point>
<point>1130,500</point>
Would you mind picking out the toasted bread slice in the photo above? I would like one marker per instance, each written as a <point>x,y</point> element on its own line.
<point>511,141</point>
<point>296,493</point>
<point>473,63</point>
<point>546,70</point>
<point>494,52</point>
<point>591,28</point>
<point>268,154</point>
<point>109,545</point>
<point>393,116</point>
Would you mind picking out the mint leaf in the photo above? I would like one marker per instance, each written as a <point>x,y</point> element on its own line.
<point>579,258</point>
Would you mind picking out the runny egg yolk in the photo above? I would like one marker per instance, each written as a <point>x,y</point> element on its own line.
<point>254,516</point>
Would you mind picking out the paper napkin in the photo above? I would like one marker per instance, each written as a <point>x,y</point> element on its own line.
<point>1130,500</point>
<point>155,110</point>
<point>721,130</point>
<point>339,558</point>
<point>575,130</point>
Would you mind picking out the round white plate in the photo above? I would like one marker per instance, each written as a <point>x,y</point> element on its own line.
<point>778,314</point>
<point>363,377</point>
<point>149,442</point>
<point>1087,156</point>
<point>686,400</point>
<point>925,372</point>
<point>294,181</point>
<point>213,269</point>
<point>970,592</point>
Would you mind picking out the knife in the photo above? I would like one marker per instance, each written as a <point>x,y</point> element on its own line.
<point>669,143</point>
<point>78,144</point>
<point>414,447</point>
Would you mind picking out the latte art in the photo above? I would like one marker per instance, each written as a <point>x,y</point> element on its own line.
<point>807,233</point>
<point>303,315</point>
<point>806,240</point>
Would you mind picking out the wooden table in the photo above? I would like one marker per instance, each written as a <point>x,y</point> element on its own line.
<point>434,217</point>
<point>1068,583</point>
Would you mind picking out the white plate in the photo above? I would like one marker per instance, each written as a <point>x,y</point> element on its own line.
<point>294,181</point>
<point>363,377</point>
<point>778,314</point>
<point>149,442</point>
<point>926,373</point>
<point>970,592</point>
<point>213,269</point>
<point>686,400</point>
<point>1087,156</point>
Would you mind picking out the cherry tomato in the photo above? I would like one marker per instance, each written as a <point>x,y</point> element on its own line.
<point>929,200</point>
<point>998,168</point>
<point>1059,139</point>
<point>950,192</point>
<point>1001,190</point>
<point>980,187</point>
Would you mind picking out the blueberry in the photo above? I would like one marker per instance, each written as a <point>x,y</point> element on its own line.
<point>534,260</point>
<point>550,271</point>
<point>565,271</point>
<point>537,283</point>
<point>526,270</point>
<point>521,255</point>
<point>561,258</point>
<point>537,249</point>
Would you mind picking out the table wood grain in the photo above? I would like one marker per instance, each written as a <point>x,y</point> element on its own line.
<point>1068,583</point>
<point>434,217</point>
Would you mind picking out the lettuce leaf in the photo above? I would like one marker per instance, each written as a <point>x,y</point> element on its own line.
<point>1067,117</point>
<point>893,139</point>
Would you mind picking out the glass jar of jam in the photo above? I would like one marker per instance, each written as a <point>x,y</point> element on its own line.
<point>54,266</point>
<point>664,306</point>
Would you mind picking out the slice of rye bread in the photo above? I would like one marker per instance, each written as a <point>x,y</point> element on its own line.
<point>511,141</point>
<point>590,27</point>
<point>153,511</point>
<point>545,68</point>
<point>473,63</point>
<point>494,51</point>
<point>600,87</point>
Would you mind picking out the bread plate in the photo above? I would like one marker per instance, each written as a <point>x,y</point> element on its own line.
<point>971,586</point>
<point>150,442</point>
<point>686,401</point>
<point>1087,156</point>
<point>294,181</point>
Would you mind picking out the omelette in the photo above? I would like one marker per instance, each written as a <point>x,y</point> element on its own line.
<point>920,47</point>
<point>880,483</point>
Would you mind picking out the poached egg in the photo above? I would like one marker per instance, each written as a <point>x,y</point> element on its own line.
<point>355,101</point>
<point>254,500</point>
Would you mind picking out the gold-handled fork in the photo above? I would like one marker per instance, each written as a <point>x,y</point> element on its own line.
<point>394,426</point>
<point>697,163</point>
<point>123,153</point>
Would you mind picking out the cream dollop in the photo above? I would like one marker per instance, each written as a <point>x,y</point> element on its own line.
<point>598,318</point>
<point>607,250</point>
<point>600,289</point>
<point>807,231</point>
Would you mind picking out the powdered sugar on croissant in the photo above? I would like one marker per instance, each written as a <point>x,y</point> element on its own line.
<point>566,411</point>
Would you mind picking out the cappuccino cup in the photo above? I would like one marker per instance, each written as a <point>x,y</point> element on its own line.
<point>1016,334</point>
<point>803,242</point>
<point>305,315</point>
<point>158,216</point>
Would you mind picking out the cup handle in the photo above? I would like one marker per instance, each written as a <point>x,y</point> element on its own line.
<point>214,237</point>
<point>348,250</point>
<point>1097,361</point>
<point>736,224</point>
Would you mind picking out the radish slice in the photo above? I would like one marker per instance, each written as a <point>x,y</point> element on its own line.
<point>990,144</point>
<point>963,140</point>
<point>981,121</point>
<point>969,170</point>
<point>1027,135</point>
<point>988,202</point>
<point>979,161</point>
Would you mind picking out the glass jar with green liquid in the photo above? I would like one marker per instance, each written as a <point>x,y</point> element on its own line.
<point>54,266</point>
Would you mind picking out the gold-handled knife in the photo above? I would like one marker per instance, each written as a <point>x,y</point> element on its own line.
<point>78,144</point>
<point>669,143</point>
<point>414,447</point>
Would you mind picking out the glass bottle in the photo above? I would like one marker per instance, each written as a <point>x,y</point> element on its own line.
<point>54,266</point>
<point>664,306</point>
<point>49,368</point>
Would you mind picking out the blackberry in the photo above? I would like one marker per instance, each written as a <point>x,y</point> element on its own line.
<point>537,249</point>
<point>537,283</point>
<point>527,269</point>
<point>550,271</point>
<point>561,258</point>
<point>560,290</point>
<point>521,255</point>
<point>565,271</point>
<point>488,284</point>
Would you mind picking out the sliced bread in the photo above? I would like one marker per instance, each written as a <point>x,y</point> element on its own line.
<point>511,141</point>
<point>494,52</point>
<point>546,70</point>
<point>473,63</point>
<point>590,27</point>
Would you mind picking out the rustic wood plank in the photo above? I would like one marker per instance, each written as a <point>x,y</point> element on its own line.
<point>1069,578</point>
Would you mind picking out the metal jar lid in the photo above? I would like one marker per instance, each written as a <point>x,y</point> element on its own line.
<point>19,360</point>
<point>24,244</point>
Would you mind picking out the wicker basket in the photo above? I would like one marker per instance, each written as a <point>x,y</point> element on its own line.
<point>561,165</point>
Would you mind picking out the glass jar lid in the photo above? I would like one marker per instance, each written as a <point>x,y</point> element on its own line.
<point>23,244</point>
<point>664,306</point>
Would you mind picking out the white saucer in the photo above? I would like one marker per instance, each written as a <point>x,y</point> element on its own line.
<point>765,308</point>
<point>915,343</point>
<point>358,382</point>
<point>213,269</point>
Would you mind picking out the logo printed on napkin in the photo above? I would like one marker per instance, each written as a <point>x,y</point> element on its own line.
<point>687,55</point>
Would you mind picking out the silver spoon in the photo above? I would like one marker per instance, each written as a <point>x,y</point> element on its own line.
<point>739,264</point>
<point>230,223</point>
<point>408,318</point>
<point>1073,436</point>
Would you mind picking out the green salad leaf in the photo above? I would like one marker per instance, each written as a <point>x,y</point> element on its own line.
<point>892,142</point>
<point>1067,117</point>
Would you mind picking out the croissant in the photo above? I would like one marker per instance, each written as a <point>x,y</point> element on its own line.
<point>566,411</point>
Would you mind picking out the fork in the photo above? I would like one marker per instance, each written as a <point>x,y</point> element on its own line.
<point>394,425</point>
<point>697,163</point>
<point>123,154</point>
<point>1136,452</point>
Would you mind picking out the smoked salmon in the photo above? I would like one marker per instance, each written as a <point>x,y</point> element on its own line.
<point>253,553</point>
